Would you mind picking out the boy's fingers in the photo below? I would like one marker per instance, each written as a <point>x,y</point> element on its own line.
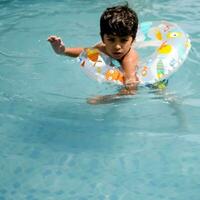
<point>49,39</point>
<point>52,38</point>
<point>56,41</point>
<point>59,40</point>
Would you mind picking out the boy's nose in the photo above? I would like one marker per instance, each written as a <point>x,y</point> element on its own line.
<point>117,46</point>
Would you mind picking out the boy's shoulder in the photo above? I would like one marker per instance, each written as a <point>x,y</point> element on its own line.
<point>131,56</point>
<point>100,46</point>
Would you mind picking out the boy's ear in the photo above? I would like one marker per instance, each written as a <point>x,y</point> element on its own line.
<point>132,40</point>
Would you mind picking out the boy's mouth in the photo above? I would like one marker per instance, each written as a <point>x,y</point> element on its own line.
<point>117,54</point>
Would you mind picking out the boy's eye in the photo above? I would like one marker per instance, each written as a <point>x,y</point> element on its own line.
<point>111,39</point>
<point>124,40</point>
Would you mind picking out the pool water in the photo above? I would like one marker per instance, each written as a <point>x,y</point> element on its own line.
<point>54,145</point>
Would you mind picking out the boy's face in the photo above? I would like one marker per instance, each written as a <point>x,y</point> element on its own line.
<point>117,46</point>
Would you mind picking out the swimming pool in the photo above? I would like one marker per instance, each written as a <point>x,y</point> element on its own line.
<point>56,146</point>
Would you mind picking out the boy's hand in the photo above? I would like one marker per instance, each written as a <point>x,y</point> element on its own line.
<point>130,87</point>
<point>57,44</point>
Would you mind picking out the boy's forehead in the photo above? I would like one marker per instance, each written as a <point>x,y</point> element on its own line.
<point>117,36</point>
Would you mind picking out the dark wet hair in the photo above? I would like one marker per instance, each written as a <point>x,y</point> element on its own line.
<point>120,21</point>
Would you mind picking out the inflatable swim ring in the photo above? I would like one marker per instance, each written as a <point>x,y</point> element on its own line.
<point>172,47</point>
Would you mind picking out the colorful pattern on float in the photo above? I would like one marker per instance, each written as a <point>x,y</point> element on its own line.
<point>174,46</point>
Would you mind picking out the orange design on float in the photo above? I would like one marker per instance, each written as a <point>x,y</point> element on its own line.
<point>158,35</point>
<point>93,54</point>
<point>144,71</point>
<point>115,75</point>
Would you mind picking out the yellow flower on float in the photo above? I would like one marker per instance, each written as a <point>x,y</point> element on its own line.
<point>174,34</point>
<point>165,48</point>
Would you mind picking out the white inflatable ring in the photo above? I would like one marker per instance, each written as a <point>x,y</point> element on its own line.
<point>173,46</point>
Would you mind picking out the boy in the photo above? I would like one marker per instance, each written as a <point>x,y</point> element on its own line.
<point>118,28</point>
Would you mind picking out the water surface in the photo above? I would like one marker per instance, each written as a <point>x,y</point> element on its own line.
<point>56,146</point>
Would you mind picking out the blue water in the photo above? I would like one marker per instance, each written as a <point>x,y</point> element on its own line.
<point>53,145</point>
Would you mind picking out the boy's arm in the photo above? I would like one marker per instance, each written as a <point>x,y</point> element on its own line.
<point>73,52</point>
<point>129,65</point>
<point>59,47</point>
